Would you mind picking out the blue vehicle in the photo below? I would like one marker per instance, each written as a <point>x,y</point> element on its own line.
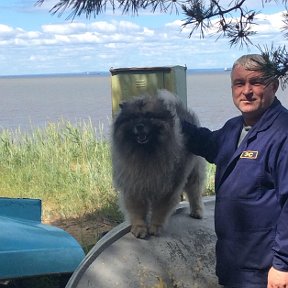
<point>29,248</point>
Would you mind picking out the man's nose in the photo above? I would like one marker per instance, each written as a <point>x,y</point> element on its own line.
<point>247,89</point>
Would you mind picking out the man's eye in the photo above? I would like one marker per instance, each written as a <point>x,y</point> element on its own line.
<point>238,84</point>
<point>257,81</point>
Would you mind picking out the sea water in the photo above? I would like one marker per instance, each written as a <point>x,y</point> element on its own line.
<point>29,102</point>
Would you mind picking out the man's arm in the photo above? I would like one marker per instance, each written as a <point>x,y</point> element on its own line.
<point>278,274</point>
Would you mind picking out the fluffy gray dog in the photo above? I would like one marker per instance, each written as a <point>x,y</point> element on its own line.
<point>151,166</point>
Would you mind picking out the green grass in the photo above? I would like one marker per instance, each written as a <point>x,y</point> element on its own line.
<point>67,166</point>
<point>210,181</point>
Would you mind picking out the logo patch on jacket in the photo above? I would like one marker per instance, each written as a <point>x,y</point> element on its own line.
<point>249,154</point>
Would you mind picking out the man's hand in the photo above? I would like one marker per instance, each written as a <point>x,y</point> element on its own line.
<point>277,279</point>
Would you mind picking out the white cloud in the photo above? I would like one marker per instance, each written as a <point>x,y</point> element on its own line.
<point>175,24</point>
<point>102,26</point>
<point>38,58</point>
<point>99,45</point>
<point>5,29</point>
<point>29,35</point>
<point>128,26</point>
<point>148,32</point>
<point>66,28</point>
<point>269,23</point>
<point>111,46</point>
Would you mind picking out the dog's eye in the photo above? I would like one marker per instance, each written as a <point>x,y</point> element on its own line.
<point>130,116</point>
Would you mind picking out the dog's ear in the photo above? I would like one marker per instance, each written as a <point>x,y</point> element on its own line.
<point>122,105</point>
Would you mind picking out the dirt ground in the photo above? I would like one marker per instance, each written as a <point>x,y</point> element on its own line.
<point>87,230</point>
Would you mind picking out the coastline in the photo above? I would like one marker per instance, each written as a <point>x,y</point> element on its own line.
<point>103,73</point>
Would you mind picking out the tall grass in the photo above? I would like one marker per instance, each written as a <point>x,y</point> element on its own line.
<point>210,181</point>
<point>66,165</point>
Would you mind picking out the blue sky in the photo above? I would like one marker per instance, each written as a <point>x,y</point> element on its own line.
<point>32,41</point>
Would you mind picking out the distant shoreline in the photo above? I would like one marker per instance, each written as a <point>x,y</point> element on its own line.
<point>104,73</point>
<point>83,74</point>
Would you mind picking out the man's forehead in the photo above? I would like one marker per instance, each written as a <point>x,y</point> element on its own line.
<point>241,72</point>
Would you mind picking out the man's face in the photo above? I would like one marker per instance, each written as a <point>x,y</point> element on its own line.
<point>250,94</point>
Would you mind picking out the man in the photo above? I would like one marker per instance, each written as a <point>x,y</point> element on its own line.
<point>251,183</point>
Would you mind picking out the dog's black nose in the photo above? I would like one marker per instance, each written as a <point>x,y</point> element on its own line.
<point>140,127</point>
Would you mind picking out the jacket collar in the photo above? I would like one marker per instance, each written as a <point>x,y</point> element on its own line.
<point>268,117</point>
<point>264,122</point>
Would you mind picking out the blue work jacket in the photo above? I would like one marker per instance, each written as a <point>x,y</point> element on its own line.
<point>251,185</point>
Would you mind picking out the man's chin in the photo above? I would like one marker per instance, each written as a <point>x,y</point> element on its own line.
<point>248,107</point>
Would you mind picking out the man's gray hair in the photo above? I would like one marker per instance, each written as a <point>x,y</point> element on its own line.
<point>250,62</point>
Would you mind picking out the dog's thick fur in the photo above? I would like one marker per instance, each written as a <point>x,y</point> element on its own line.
<point>151,166</point>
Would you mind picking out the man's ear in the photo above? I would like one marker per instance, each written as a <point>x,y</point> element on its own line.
<point>275,85</point>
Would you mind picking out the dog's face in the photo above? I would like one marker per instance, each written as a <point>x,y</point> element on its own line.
<point>144,122</point>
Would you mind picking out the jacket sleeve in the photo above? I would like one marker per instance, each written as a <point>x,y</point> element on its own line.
<point>280,259</point>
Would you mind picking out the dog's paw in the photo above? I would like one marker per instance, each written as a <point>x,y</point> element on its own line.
<point>197,214</point>
<point>155,229</point>
<point>139,231</point>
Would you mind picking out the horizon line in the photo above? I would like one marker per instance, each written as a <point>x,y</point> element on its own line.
<point>100,73</point>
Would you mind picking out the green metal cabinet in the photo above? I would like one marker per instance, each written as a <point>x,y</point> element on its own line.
<point>131,82</point>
